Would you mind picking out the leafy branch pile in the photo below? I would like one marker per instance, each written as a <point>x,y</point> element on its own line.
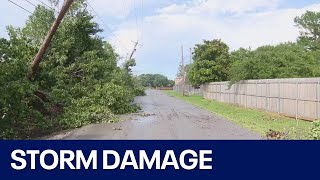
<point>78,82</point>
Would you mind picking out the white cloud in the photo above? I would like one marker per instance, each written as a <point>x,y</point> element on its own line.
<point>119,8</point>
<point>240,23</point>
<point>232,6</point>
<point>173,9</point>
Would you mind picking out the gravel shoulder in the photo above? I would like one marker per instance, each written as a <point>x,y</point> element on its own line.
<point>164,118</point>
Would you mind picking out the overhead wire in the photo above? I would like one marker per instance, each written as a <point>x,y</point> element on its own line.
<point>45,5</point>
<point>105,24</point>
<point>136,18</point>
<point>31,3</point>
<point>20,6</point>
<point>138,15</point>
<point>124,6</point>
<point>142,20</point>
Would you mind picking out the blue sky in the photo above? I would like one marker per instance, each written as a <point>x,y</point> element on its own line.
<point>163,26</point>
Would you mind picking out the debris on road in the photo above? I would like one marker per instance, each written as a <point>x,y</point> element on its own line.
<point>164,118</point>
<point>117,129</point>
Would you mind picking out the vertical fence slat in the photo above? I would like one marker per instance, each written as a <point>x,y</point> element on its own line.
<point>235,94</point>
<point>297,102</point>
<point>266,103</point>
<point>317,106</point>
<point>246,94</point>
<point>256,95</point>
<point>279,97</point>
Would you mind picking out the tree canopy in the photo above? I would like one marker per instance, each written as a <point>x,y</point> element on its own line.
<point>287,60</point>
<point>309,23</point>
<point>78,82</point>
<point>211,63</point>
<point>155,80</point>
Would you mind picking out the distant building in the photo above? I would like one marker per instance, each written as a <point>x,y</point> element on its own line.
<point>178,81</point>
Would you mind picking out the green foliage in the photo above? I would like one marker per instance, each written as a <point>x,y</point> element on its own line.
<point>269,62</point>
<point>309,22</point>
<point>78,82</point>
<point>315,131</point>
<point>211,63</point>
<point>128,64</point>
<point>154,80</point>
<point>139,91</point>
<point>171,83</point>
<point>187,68</point>
<point>84,111</point>
<point>17,112</point>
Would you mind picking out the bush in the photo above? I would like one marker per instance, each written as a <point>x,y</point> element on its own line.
<point>139,91</point>
<point>269,62</point>
<point>315,131</point>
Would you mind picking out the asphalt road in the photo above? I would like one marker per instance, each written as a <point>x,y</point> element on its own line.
<point>165,117</point>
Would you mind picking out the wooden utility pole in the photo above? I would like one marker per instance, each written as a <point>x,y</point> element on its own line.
<point>134,50</point>
<point>47,40</point>
<point>183,71</point>
<point>190,56</point>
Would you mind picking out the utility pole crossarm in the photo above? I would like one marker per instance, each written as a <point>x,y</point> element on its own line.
<point>47,40</point>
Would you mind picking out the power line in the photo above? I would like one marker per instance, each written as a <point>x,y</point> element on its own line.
<point>31,3</point>
<point>45,4</point>
<point>142,19</point>
<point>20,6</point>
<point>101,20</point>
<point>136,17</point>
<point>138,14</point>
<point>124,6</point>
<point>105,24</point>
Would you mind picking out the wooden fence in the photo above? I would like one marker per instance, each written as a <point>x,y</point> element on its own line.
<point>164,88</point>
<point>298,98</point>
<point>188,89</point>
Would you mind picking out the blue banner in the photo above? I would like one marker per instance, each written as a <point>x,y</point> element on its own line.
<point>160,159</point>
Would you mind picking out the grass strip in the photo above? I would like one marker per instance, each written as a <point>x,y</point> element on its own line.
<point>255,120</point>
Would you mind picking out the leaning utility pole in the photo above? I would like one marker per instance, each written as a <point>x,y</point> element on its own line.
<point>47,40</point>
<point>134,50</point>
<point>183,71</point>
